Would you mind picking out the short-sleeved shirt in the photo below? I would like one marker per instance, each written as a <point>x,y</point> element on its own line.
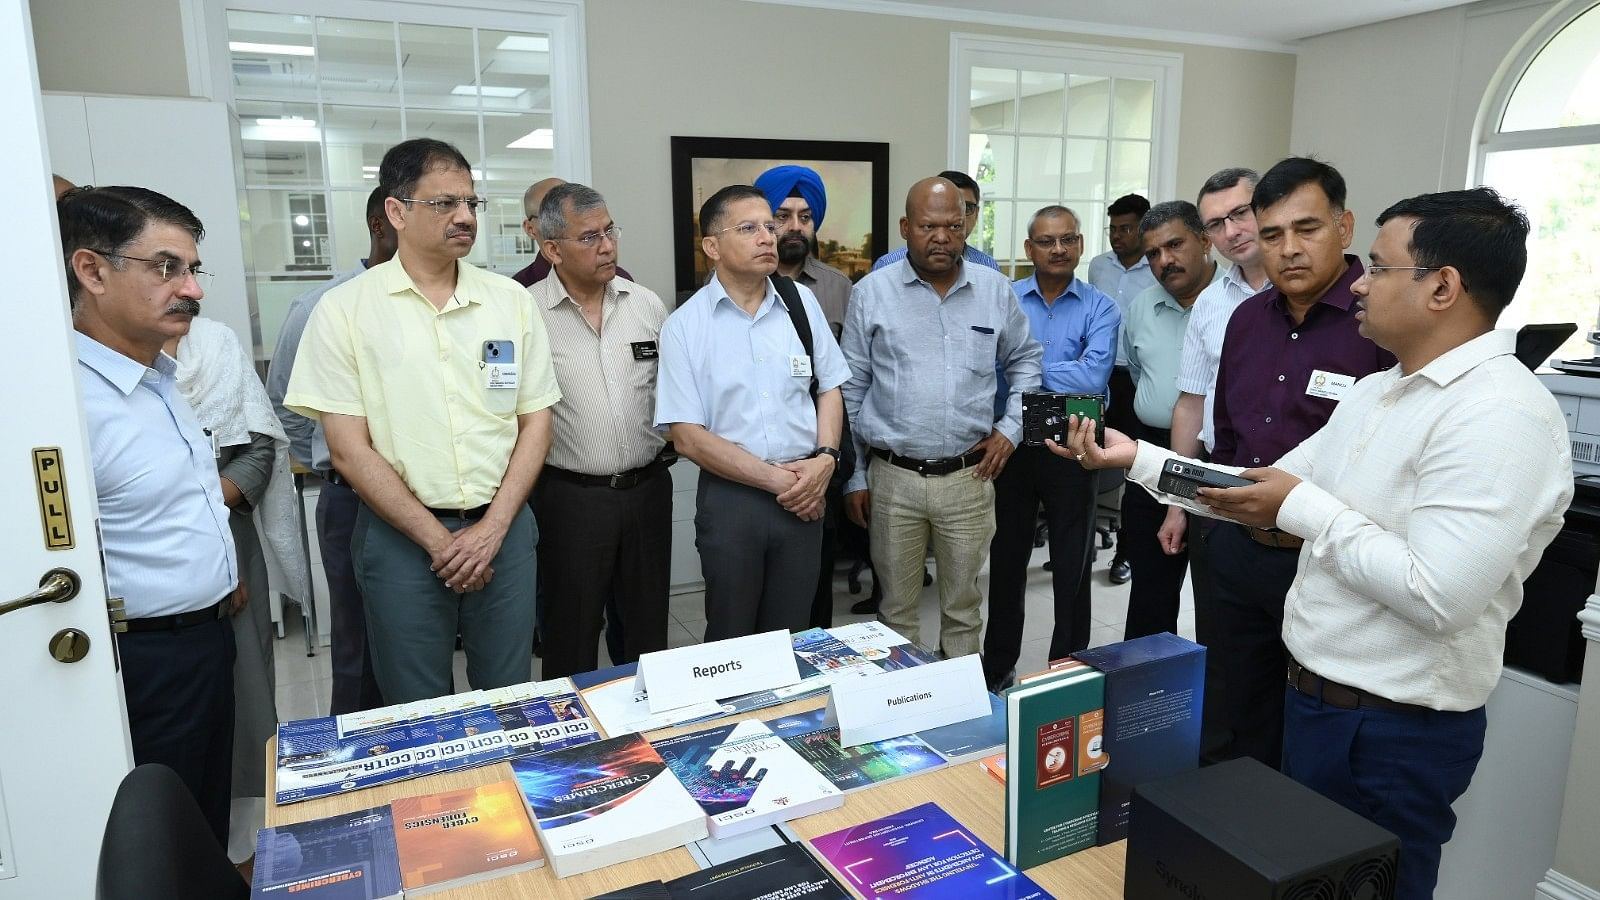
<point>1202,343</point>
<point>608,380</point>
<point>1268,378</point>
<point>738,375</point>
<point>377,348</point>
<point>832,288</point>
<point>1152,343</point>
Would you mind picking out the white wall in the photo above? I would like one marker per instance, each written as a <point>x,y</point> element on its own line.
<point>104,47</point>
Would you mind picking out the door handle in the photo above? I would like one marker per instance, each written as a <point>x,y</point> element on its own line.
<point>57,586</point>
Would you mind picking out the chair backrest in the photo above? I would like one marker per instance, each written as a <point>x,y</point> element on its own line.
<point>157,844</point>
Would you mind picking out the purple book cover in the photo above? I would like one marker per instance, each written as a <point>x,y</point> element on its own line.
<point>922,853</point>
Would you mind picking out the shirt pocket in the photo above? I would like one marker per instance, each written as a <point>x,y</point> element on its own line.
<point>981,348</point>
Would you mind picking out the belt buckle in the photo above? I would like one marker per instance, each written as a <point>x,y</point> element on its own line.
<point>618,481</point>
<point>925,467</point>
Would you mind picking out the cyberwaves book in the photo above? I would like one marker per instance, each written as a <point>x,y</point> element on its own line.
<point>455,838</point>
<point>745,777</point>
<point>346,857</point>
<point>852,768</point>
<point>924,854</point>
<point>606,802</point>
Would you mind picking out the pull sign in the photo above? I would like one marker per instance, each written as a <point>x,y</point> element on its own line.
<point>54,511</point>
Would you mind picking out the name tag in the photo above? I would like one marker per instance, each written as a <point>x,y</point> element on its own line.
<point>800,366</point>
<point>500,376</point>
<point>644,350</point>
<point>1329,385</point>
<point>685,675</point>
<point>907,700</point>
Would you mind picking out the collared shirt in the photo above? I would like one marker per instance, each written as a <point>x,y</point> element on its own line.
<point>923,369</point>
<point>734,374</point>
<point>1270,365</point>
<point>1077,335</point>
<point>608,380</point>
<point>307,442</point>
<point>1152,343</point>
<point>539,270</point>
<point>832,288</point>
<point>168,547</point>
<point>1121,283</point>
<point>1426,501</point>
<point>1202,343</point>
<point>971,254</point>
<point>377,348</point>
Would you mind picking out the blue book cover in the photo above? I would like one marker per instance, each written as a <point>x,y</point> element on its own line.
<point>745,777</point>
<point>546,723</point>
<point>851,768</point>
<point>467,739</point>
<point>924,854</point>
<point>344,857</point>
<point>972,739</point>
<point>314,762</point>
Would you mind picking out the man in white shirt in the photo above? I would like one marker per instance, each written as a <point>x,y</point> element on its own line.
<point>1424,503</point>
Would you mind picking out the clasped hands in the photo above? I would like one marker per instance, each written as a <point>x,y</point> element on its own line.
<point>801,486</point>
<point>462,560</point>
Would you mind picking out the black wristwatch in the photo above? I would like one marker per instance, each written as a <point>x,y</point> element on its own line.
<point>826,451</point>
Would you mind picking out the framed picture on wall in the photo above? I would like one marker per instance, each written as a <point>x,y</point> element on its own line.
<point>855,174</point>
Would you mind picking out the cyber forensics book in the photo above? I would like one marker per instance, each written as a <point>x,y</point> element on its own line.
<point>745,777</point>
<point>345,857</point>
<point>1054,752</point>
<point>455,838</point>
<point>922,854</point>
<point>606,802</point>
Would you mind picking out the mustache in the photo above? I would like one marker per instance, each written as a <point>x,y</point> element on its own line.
<point>469,232</point>
<point>184,307</point>
<point>1173,269</point>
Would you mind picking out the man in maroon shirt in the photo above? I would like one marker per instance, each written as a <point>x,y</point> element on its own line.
<point>1289,354</point>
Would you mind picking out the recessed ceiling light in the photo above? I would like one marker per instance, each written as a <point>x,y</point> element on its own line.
<point>488,90</point>
<point>533,43</point>
<point>277,49</point>
<point>537,139</point>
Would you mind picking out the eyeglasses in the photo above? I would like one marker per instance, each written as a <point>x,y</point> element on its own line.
<point>446,205</point>
<point>167,267</point>
<point>749,229</point>
<point>1237,215</point>
<point>1050,242</point>
<point>1372,270</point>
<point>592,238</point>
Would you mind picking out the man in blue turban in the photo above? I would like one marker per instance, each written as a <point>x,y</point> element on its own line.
<point>799,202</point>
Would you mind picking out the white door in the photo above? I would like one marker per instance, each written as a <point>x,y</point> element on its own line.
<point>63,730</point>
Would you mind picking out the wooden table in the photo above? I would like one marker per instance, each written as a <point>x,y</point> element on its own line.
<point>965,790</point>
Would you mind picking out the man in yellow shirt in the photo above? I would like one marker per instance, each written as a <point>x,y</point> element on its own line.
<point>433,382</point>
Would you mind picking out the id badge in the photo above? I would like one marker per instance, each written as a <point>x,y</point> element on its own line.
<point>1329,385</point>
<point>644,350</point>
<point>500,376</point>
<point>800,366</point>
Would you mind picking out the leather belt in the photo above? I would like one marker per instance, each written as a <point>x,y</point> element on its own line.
<point>179,620</point>
<point>620,481</point>
<point>476,512</point>
<point>1342,696</point>
<point>929,468</point>
<point>1281,540</point>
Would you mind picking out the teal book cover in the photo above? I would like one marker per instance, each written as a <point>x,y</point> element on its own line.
<point>1055,751</point>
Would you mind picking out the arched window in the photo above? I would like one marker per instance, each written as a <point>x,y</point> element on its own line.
<point>1540,146</point>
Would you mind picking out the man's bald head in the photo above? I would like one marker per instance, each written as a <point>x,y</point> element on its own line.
<point>934,190</point>
<point>934,227</point>
<point>531,198</point>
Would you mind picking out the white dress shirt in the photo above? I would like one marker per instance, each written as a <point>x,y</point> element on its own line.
<point>1202,342</point>
<point>1427,499</point>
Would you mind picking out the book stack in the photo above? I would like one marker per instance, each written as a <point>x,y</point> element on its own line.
<point>745,777</point>
<point>1054,754</point>
<point>455,838</point>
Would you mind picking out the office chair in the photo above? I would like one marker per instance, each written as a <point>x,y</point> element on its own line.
<point>157,844</point>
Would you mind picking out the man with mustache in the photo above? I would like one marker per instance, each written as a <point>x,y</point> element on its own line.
<point>925,339</point>
<point>433,381</point>
<point>133,274</point>
<point>1179,253</point>
<point>1076,325</point>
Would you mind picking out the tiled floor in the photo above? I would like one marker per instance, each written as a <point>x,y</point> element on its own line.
<point>303,682</point>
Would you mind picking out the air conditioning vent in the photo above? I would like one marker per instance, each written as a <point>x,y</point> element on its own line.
<point>1583,451</point>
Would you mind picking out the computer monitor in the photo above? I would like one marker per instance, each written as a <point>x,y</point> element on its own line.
<point>1535,343</point>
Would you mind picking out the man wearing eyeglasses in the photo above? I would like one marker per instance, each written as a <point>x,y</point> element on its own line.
<point>539,269</point>
<point>925,339</point>
<point>604,502</point>
<point>134,279</point>
<point>971,211</point>
<point>433,381</point>
<point>1076,326</point>
<point>759,413</point>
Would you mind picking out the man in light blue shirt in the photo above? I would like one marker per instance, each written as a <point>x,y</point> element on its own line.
<point>924,339</point>
<point>760,416</point>
<point>354,686</point>
<point>1076,325</point>
<point>970,210</point>
<point>133,275</point>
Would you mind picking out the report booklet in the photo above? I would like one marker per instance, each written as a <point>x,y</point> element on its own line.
<point>881,645</point>
<point>745,777</point>
<point>455,838</point>
<point>1054,753</point>
<point>606,802</point>
<point>973,739</point>
<point>922,854</point>
<point>344,857</point>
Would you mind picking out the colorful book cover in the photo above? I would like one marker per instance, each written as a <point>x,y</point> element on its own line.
<point>605,802</point>
<point>345,857</point>
<point>882,646</point>
<point>818,654</point>
<point>780,873</point>
<point>461,837</point>
<point>745,777</point>
<point>996,766</point>
<point>922,853</point>
<point>1054,753</point>
<point>313,762</point>
<point>855,767</point>
<point>963,741</point>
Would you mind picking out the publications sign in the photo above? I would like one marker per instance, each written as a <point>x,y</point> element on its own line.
<point>907,700</point>
<point>729,668</point>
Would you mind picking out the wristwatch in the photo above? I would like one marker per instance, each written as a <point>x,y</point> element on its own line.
<point>826,451</point>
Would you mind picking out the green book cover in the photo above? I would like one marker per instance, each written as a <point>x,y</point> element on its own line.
<point>1054,731</point>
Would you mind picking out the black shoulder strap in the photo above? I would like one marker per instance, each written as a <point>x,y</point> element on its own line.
<point>802,324</point>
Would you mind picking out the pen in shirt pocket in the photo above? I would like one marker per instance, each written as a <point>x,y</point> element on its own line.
<point>982,330</point>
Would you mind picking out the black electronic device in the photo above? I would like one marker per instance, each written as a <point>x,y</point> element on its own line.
<point>1242,831</point>
<point>1535,343</point>
<point>1185,479</point>
<point>1044,415</point>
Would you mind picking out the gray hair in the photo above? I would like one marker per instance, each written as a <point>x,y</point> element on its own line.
<point>1227,178</point>
<point>1180,210</point>
<point>553,212</point>
<point>1050,212</point>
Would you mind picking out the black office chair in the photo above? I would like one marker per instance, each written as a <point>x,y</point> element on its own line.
<point>157,844</point>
